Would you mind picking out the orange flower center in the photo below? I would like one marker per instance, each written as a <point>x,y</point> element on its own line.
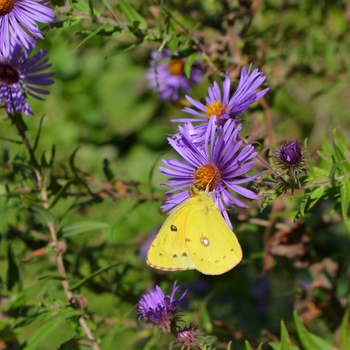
<point>215,108</point>
<point>207,177</point>
<point>6,7</point>
<point>8,74</point>
<point>176,67</point>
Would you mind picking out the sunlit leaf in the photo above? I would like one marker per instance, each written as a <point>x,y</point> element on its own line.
<point>131,15</point>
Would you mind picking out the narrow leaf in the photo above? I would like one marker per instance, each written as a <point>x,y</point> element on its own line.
<point>13,273</point>
<point>344,341</point>
<point>340,149</point>
<point>285,339</point>
<point>61,193</point>
<point>131,15</point>
<point>275,346</point>
<point>49,326</point>
<point>345,196</point>
<point>36,142</point>
<point>24,296</point>
<point>308,340</point>
<point>247,345</point>
<point>96,273</point>
<point>76,228</point>
<point>43,215</point>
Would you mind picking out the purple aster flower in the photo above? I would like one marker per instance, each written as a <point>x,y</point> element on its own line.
<point>168,78</point>
<point>21,76</point>
<point>18,22</point>
<point>224,107</point>
<point>290,158</point>
<point>159,309</point>
<point>219,167</point>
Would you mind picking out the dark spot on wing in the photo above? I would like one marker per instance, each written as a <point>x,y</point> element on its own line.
<point>174,256</point>
<point>173,228</point>
<point>184,254</point>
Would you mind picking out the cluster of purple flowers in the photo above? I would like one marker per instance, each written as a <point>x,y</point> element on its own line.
<point>216,160</point>
<point>20,74</point>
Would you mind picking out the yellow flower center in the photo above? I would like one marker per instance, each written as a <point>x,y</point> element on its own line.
<point>207,177</point>
<point>215,108</point>
<point>176,67</point>
<point>8,74</point>
<point>6,7</point>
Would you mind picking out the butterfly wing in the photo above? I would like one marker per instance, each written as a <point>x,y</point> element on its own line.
<point>168,250</point>
<point>210,244</point>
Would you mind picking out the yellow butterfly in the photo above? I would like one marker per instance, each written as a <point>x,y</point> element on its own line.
<point>195,236</point>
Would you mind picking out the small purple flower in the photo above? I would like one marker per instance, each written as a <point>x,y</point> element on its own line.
<point>168,78</point>
<point>18,22</point>
<point>289,154</point>
<point>219,167</point>
<point>159,309</point>
<point>21,76</point>
<point>290,158</point>
<point>224,107</point>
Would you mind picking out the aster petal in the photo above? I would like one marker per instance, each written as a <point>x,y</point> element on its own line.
<point>30,78</point>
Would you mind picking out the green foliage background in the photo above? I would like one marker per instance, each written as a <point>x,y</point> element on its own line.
<point>100,103</point>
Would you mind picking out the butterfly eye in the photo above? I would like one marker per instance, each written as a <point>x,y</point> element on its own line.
<point>173,228</point>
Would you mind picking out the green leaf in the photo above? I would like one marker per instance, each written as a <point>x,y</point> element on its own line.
<point>108,171</point>
<point>247,345</point>
<point>76,228</point>
<point>13,272</point>
<point>285,339</point>
<point>311,197</point>
<point>173,44</point>
<point>48,326</point>
<point>275,346</point>
<point>43,215</point>
<point>51,277</point>
<point>345,196</point>
<point>131,15</point>
<point>340,150</point>
<point>344,341</point>
<point>61,193</point>
<point>36,142</point>
<point>309,340</point>
<point>24,296</point>
<point>96,273</point>
<point>91,35</point>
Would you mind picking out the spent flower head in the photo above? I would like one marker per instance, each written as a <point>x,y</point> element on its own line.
<point>161,310</point>
<point>18,22</point>
<point>21,76</point>
<point>291,159</point>
<point>220,167</point>
<point>168,78</point>
<point>187,337</point>
<point>222,106</point>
